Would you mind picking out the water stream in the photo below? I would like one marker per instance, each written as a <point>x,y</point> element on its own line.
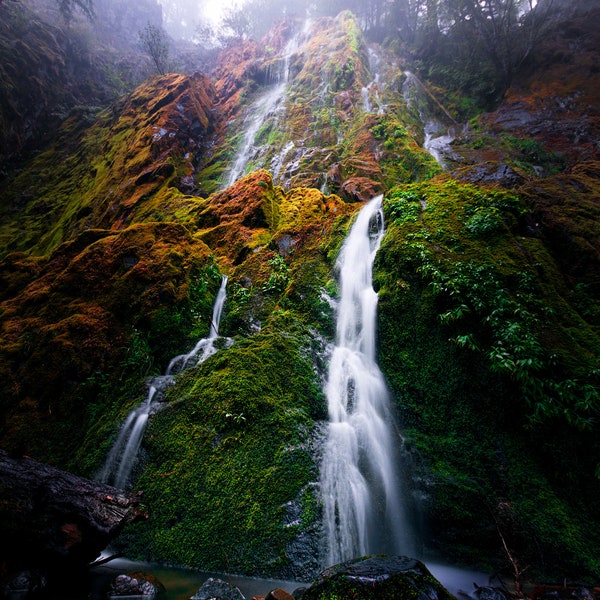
<point>267,106</point>
<point>439,128</point>
<point>371,93</point>
<point>360,484</point>
<point>122,456</point>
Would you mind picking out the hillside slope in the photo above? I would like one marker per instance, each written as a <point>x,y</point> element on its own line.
<point>113,243</point>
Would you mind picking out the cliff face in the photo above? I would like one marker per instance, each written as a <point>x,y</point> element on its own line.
<point>49,67</point>
<point>114,237</point>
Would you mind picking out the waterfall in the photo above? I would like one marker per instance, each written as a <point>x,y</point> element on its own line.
<point>123,455</point>
<point>264,108</point>
<point>206,346</point>
<point>362,508</point>
<point>439,128</point>
<point>370,94</point>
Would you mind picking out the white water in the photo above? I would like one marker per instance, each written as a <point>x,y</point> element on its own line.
<point>363,512</point>
<point>438,135</point>
<point>123,455</point>
<point>371,93</point>
<point>263,109</point>
<point>206,346</point>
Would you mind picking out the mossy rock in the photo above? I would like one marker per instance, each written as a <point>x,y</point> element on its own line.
<point>377,578</point>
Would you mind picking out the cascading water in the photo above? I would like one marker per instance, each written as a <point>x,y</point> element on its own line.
<point>362,501</point>
<point>206,346</point>
<point>439,131</point>
<point>123,454</point>
<point>262,109</point>
<point>370,94</point>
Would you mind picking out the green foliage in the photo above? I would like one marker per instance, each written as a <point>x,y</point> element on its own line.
<point>485,221</point>
<point>279,277</point>
<point>530,154</point>
<point>474,330</point>
<point>402,207</point>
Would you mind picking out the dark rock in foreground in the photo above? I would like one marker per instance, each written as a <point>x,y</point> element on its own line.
<point>380,578</point>
<point>217,588</point>
<point>56,522</point>
<point>136,585</point>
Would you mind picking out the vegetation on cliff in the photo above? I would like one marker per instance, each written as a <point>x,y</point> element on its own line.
<point>113,240</point>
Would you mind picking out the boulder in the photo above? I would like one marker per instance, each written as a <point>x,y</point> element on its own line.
<point>217,589</point>
<point>360,189</point>
<point>378,578</point>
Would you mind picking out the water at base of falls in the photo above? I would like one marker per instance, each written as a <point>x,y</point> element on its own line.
<point>363,509</point>
<point>122,457</point>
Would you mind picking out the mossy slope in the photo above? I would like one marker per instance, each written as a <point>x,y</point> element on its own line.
<point>493,361</point>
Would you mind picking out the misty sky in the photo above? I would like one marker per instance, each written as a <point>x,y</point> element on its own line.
<point>214,8</point>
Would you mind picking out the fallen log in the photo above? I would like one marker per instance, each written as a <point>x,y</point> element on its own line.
<point>54,521</point>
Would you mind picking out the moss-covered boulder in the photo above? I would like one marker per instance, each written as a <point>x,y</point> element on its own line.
<point>377,578</point>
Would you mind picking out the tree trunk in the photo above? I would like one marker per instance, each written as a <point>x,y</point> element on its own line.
<point>53,521</point>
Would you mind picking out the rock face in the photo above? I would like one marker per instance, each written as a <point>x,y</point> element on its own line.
<point>56,522</point>
<point>378,578</point>
<point>113,241</point>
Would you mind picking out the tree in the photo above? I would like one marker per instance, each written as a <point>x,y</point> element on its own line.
<point>155,42</point>
<point>505,31</point>
<point>237,20</point>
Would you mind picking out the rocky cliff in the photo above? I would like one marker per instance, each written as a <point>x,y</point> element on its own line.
<point>113,241</point>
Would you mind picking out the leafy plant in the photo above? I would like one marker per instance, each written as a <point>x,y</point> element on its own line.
<point>279,278</point>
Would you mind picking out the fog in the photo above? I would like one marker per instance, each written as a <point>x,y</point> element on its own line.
<point>183,18</point>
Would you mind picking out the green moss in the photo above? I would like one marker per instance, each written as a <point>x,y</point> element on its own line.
<point>218,484</point>
<point>475,330</point>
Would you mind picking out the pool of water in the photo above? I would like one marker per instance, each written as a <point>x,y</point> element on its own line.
<point>181,584</point>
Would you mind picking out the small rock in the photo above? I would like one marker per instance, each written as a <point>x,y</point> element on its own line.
<point>489,593</point>
<point>136,584</point>
<point>217,589</point>
<point>279,594</point>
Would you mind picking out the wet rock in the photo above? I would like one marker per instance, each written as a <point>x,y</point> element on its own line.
<point>378,578</point>
<point>217,589</point>
<point>279,594</point>
<point>485,592</point>
<point>136,584</point>
<point>563,592</point>
<point>360,189</point>
<point>334,177</point>
<point>24,584</point>
<point>490,172</point>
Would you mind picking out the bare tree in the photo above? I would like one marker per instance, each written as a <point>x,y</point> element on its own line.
<point>155,42</point>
